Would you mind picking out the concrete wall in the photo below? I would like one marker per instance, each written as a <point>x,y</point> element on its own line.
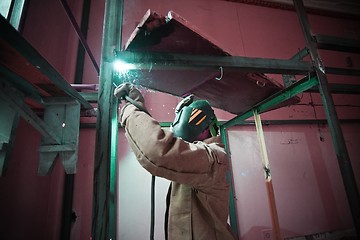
<point>308,188</point>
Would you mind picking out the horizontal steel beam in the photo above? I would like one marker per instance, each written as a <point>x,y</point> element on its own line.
<point>301,54</point>
<point>337,43</point>
<point>16,41</point>
<point>275,99</point>
<point>340,88</point>
<point>11,96</point>
<point>169,61</point>
<point>342,71</point>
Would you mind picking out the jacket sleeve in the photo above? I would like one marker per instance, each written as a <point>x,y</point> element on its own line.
<point>163,155</point>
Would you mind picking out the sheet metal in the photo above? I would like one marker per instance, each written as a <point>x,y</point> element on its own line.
<point>228,89</point>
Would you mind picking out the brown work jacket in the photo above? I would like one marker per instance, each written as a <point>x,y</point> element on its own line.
<point>199,200</point>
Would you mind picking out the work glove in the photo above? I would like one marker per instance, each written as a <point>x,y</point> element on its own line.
<point>127,89</point>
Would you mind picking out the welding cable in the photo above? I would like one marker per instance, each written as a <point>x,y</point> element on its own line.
<point>152,220</point>
<point>152,223</point>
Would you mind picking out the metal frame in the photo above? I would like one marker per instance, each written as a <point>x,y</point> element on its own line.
<point>293,66</point>
<point>342,154</point>
<point>104,205</point>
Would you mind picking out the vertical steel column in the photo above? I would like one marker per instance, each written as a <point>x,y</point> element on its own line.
<point>104,210</point>
<point>336,132</point>
<point>230,179</point>
<point>67,209</point>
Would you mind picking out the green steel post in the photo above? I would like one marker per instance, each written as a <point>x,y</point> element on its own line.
<point>229,176</point>
<point>104,210</point>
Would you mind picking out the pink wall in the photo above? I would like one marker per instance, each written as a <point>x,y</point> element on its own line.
<point>30,204</point>
<point>308,188</point>
<point>309,193</point>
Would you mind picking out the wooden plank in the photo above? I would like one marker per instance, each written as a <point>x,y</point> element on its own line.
<point>268,177</point>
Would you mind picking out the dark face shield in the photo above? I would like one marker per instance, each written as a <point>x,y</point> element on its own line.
<point>192,119</point>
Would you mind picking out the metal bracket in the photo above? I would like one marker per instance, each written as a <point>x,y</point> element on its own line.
<point>15,100</point>
<point>62,115</point>
<point>59,128</point>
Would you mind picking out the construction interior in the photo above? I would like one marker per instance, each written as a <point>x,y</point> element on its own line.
<point>66,169</point>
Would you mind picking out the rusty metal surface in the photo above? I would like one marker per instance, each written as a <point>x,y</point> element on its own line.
<point>227,89</point>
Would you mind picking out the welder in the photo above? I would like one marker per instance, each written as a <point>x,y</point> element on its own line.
<point>190,155</point>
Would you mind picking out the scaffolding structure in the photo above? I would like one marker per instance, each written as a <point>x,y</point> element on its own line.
<point>104,192</point>
<point>101,221</point>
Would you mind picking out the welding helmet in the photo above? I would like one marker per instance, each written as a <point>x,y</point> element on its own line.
<point>192,118</point>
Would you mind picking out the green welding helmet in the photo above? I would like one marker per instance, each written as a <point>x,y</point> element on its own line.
<point>192,118</point>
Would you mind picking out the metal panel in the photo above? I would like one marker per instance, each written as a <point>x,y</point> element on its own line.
<point>175,57</point>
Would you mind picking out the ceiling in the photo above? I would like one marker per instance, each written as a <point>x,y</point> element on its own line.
<point>341,8</point>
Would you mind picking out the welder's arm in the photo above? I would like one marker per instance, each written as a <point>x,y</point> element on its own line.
<point>163,155</point>
<point>130,94</point>
<point>127,89</point>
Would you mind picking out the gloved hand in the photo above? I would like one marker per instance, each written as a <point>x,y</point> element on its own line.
<point>127,89</point>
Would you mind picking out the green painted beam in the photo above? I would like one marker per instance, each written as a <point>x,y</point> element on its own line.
<point>229,177</point>
<point>275,99</point>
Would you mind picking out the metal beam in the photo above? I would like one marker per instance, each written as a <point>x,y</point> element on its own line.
<point>337,43</point>
<point>79,33</point>
<point>9,119</point>
<point>229,177</point>
<point>12,37</point>
<point>342,71</point>
<point>301,54</point>
<point>15,99</point>
<point>336,132</point>
<point>20,83</point>
<point>104,210</point>
<point>339,88</point>
<point>289,79</point>
<point>275,99</point>
<point>168,61</point>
